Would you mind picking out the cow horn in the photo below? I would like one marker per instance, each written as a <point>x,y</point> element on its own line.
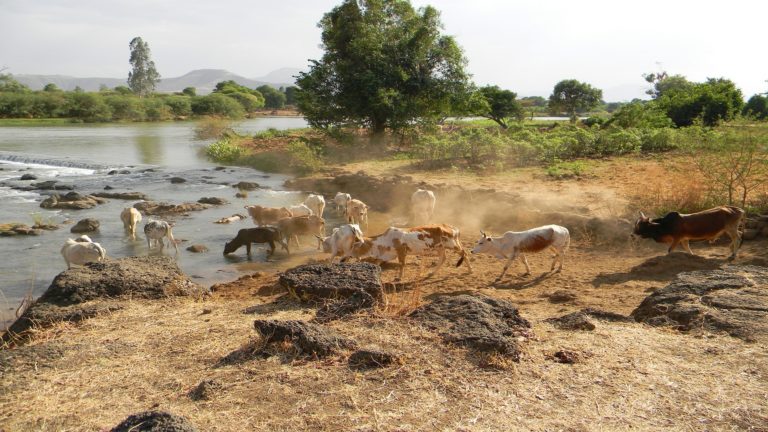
<point>642,215</point>
<point>483,233</point>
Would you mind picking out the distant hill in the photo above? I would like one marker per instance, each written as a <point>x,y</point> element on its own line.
<point>204,80</point>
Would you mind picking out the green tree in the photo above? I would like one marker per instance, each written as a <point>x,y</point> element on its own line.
<point>51,87</point>
<point>386,65</point>
<point>500,105</point>
<point>757,107</point>
<point>143,76</point>
<point>290,95</point>
<point>573,97</point>
<point>712,101</point>
<point>273,98</point>
<point>9,84</point>
<point>189,91</point>
<point>663,83</point>
<point>217,104</point>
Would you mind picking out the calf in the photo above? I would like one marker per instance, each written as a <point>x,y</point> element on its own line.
<point>233,218</point>
<point>357,212</point>
<point>130,217</point>
<point>255,235</point>
<point>82,250</point>
<point>676,228</point>
<point>316,203</point>
<point>422,205</point>
<point>292,227</point>
<point>512,244</point>
<point>398,243</point>
<point>341,241</point>
<point>267,215</point>
<point>156,230</point>
<point>341,200</point>
<point>301,210</point>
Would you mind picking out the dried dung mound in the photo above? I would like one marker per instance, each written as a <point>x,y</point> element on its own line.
<point>573,321</point>
<point>142,277</point>
<point>308,338</point>
<point>333,281</point>
<point>206,390</point>
<point>479,322</point>
<point>371,359</point>
<point>154,421</point>
<point>733,299</point>
<point>606,316</point>
<point>337,309</point>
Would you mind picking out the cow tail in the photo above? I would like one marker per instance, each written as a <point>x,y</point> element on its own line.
<point>461,259</point>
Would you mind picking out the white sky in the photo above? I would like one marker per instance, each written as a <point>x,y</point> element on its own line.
<point>524,46</point>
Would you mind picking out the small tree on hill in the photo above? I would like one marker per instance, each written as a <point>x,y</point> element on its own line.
<point>143,76</point>
<point>573,97</point>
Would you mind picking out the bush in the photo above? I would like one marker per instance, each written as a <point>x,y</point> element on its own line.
<point>125,108</point>
<point>156,110</point>
<point>212,127</point>
<point>217,104</point>
<point>303,158</point>
<point>224,151</point>
<point>180,106</point>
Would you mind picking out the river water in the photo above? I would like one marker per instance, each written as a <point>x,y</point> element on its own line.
<point>151,153</point>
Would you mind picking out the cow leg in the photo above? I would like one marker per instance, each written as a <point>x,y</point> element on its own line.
<point>149,243</point>
<point>271,248</point>
<point>296,237</point>
<point>674,244</point>
<point>506,266</point>
<point>686,246</point>
<point>441,254</point>
<point>248,248</point>
<point>401,254</point>
<point>735,240</point>
<point>525,261</point>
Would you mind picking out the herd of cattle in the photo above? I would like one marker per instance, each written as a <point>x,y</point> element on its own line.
<point>282,225</point>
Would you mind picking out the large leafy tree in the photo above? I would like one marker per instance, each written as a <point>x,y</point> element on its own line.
<point>143,75</point>
<point>273,98</point>
<point>573,97</point>
<point>757,107</point>
<point>500,105</point>
<point>713,101</point>
<point>386,65</point>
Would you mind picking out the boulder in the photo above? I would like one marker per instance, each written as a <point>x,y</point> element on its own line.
<point>337,309</point>
<point>84,291</point>
<point>197,248</point>
<point>750,234</point>
<point>371,359</point>
<point>85,226</point>
<point>481,323</point>
<point>121,195</point>
<point>72,201</point>
<point>310,339</point>
<point>247,186</point>
<point>573,321</point>
<point>14,229</point>
<point>733,299</point>
<point>213,201</point>
<point>333,281</point>
<point>177,180</point>
<point>51,185</point>
<point>154,421</point>
<point>152,208</point>
<point>28,177</point>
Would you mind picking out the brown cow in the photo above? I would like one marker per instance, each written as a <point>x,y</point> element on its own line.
<point>267,215</point>
<point>676,228</point>
<point>293,226</point>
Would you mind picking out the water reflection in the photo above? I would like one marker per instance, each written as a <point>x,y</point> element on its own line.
<point>149,149</point>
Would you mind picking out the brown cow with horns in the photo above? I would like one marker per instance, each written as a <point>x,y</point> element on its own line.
<point>676,228</point>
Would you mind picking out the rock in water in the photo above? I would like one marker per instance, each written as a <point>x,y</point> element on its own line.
<point>213,201</point>
<point>326,281</point>
<point>733,299</point>
<point>85,226</point>
<point>478,322</point>
<point>154,421</point>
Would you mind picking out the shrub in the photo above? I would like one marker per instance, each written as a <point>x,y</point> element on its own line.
<point>303,158</point>
<point>212,127</point>
<point>217,104</point>
<point>224,151</point>
<point>180,106</point>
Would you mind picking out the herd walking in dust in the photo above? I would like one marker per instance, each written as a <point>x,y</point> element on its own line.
<point>284,225</point>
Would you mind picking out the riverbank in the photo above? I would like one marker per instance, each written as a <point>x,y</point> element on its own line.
<point>152,354</point>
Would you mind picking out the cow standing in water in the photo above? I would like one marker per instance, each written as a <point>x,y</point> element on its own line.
<point>156,230</point>
<point>675,228</point>
<point>513,244</point>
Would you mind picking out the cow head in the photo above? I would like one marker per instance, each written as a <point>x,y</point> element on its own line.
<point>485,245</point>
<point>326,242</point>
<point>645,227</point>
<point>284,212</point>
<point>230,247</point>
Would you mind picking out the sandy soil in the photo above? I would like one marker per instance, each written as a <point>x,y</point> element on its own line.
<point>629,376</point>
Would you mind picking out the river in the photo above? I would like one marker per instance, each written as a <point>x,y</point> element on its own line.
<point>84,156</point>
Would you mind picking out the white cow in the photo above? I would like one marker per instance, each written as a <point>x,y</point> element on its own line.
<point>512,244</point>
<point>156,230</point>
<point>341,241</point>
<point>357,212</point>
<point>316,203</point>
<point>82,250</point>
<point>398,243</point>
<point>301,210</point>
<point>130,217</point>
<point>422,206</point>
<point>341,199</point>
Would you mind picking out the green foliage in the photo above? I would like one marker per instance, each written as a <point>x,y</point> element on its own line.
<point>500,105</point>
<point>217,104</point>
<point>564,170</point>
<point>271,133</point>
<point>125,108</point>
<point>189,91</point>
<point>180,106</point>
<point>663,83</point>
<point>385,65</point>
<point>123,90</point>
<point>290,95</point>
<point>88,107</point>
<point>248,101</point>
<point>156,110</point>
<point>640,115</point>
<point>143,76</point>
<point>573,97</point>
<point>712,102</point>
<point>304,158</point>
<point>224,151</point>
<point>756,107</point>
<point>10,85</point>
<point>212,127</point>
<point>273,98</point>
<point>51,87</point>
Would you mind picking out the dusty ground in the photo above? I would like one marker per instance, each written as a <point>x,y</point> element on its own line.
<point>629,376</point>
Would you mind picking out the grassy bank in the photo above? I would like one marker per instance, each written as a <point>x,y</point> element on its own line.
<point>36,122</point>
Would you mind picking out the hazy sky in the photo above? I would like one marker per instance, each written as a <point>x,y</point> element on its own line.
<point>524,46</point>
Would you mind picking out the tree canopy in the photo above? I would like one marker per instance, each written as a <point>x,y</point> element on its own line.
<point>712,101</point>
<point>757,107</point>
<point>386,65</point>
<point>143,75</point>
<point>573,97</point>
<point>499,105</point>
